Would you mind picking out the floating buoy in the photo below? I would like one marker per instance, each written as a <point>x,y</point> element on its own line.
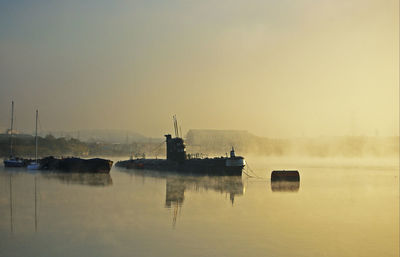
<point>285,175</point>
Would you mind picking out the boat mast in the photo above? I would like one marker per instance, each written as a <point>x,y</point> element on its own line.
<point>11,129</point>
<point>36,138</point>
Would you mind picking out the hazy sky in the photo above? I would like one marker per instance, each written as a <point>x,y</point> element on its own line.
<point>276,68</point>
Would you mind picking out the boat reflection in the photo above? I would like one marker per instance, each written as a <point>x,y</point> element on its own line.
<point>285,186</point>
<point>178,184</point>
<point>87,179</point>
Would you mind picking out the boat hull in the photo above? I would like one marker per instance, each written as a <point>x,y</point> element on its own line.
<point>33,166</point>
<point>95,165</point>
<point>12,163</point>
<point>209,167</point>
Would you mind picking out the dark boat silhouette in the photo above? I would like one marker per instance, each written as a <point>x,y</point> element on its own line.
<point>177,160</point>
<point>73,164</point>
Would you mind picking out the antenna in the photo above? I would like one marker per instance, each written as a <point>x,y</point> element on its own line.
<point>173,119</point>
<point>176,125</point>
<point>177,128</point>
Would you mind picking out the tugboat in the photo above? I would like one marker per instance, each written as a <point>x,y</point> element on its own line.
<point>177,160</point>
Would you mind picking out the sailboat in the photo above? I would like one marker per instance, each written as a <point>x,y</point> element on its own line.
<point>13,161</point>
<point>35,165</point>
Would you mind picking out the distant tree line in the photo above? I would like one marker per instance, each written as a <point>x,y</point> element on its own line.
<point>24,146</point>
<point>211,143</point>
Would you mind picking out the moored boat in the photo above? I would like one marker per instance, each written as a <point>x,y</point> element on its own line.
<point>35,165</point>
<point>73,164</point>
<point>12,161</point>
<point>177,160</point>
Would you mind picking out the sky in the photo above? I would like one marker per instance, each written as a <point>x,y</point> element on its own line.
<point>274,68</point>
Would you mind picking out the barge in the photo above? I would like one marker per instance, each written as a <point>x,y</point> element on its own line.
<point>73,164</point>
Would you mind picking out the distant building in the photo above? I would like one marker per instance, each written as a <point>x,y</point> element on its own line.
<point>15,132</point>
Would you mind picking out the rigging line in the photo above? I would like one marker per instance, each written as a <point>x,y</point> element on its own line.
<point>157,147</point>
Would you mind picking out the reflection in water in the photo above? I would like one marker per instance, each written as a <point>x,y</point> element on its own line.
<point>36,223</point>
<point>88,179</point>
<point>334,209</point>
<point>177,184</point>
<point>11,203</point>
<point>175,192</point>
<point>176,187</point>
<point>285,186</point>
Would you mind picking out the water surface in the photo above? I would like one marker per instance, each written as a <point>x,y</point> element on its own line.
<point>335,210</point>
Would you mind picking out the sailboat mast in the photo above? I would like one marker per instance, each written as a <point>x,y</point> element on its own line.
<point>11,129</point>
<point>36,138</point>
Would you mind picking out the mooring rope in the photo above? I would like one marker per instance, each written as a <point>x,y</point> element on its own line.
<point>249,170</point>
<point>248,175</point>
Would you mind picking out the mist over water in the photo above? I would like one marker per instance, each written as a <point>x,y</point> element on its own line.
<point>218,141</point>
<point>339,208</point>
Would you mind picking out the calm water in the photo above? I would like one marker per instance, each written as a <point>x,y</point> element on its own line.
<point>339,208</point>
